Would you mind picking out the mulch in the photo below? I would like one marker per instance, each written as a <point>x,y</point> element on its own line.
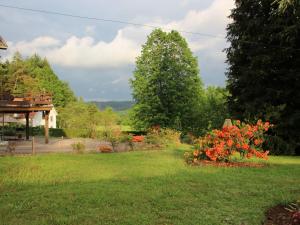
<point>278,215</point>
<point>229,164</point>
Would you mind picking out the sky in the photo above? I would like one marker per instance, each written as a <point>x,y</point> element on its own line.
<point>97,58</point>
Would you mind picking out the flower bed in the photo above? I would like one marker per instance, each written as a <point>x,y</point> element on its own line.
<point>221,145</point>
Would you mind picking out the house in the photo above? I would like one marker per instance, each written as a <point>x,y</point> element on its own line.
<point>37,119</point>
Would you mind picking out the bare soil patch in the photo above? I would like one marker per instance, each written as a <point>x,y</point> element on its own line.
<point>279,215</point>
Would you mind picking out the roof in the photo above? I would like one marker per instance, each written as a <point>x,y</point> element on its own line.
<point>10,104</point>
<point>3,44</point>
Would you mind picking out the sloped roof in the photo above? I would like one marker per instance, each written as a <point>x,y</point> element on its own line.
<point>3,44</point>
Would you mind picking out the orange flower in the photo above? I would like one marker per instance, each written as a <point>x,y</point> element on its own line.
<point>245,146</point>
<point>229,143</point>
<point>196,153</point>
<point>257,141</point>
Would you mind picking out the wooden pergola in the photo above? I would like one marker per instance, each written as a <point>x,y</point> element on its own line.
<point>26,105</point>
<point>3,44</point>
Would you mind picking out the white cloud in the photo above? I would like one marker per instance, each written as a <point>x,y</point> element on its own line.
<point>39,44</point>
<point>85,52</point>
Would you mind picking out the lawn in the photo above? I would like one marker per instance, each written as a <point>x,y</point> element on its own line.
<point>152,187</point>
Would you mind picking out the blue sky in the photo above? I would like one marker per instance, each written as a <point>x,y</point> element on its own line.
<point>97,58</point>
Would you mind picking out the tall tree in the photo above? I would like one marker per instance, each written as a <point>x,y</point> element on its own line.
<point>33,75</point>
<point>166,86</point>
<point>264,66</point>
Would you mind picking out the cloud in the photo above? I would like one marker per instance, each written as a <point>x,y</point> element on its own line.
<point>39,44</point>
<point>122,50</point>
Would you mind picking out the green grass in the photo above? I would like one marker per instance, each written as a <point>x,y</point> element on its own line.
<point>154,187</point>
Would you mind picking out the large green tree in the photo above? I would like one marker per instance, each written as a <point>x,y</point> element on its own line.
<point>166,86</point>
<point>33,75</point>
<point>264,66</point>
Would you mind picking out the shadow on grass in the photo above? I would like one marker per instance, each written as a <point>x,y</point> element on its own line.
<point>187,197</point>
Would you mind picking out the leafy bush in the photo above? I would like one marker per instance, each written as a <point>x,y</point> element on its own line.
<point>78,147</point>
<point>112,134</point>
<point>245,139</point>
<point>105,148</point>
<point>138,138</point>
<point>161,137</point>
<point>278,146</point>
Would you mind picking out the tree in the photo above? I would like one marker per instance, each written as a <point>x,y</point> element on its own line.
<point>215,109</point>
<point>264,66</point>
<point>166,86</point>
<point>33,75</point>
<point>284,4</point>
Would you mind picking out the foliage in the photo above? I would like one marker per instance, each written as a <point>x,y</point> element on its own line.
<point>112,134</point>
<point>264,67</point>
<point>33,76</point>
<point>166,86</point>
<point>81,118</point>
<point>213,111</point>
<point>138,138</point>
<point>161,137</point>
<point>245,139</point>
<point>283,5</point>
<point>78,147</point>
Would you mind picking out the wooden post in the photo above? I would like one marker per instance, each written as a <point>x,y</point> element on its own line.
<point>2,134</point>
<point>33,146</point>
<point>227,123</point>
<point>46,127</point>
<point>27,125</point>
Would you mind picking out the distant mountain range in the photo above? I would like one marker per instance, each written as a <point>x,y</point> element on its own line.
<point>115,105</point>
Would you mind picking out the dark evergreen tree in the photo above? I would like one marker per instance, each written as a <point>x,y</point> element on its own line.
<point>264,67</point>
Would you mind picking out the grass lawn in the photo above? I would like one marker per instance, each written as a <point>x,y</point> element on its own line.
<point>154,187</point>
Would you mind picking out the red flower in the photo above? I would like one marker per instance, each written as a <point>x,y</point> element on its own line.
<point>137,138</point>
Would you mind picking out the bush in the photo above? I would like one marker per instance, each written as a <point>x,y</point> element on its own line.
<point>78,147</point>
<point>162,137</point>
<point>278,146</point>
<point>220,145</point>
<point>105,148</point>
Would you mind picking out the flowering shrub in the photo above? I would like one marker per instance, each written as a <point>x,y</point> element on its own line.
<point>220,145</point>
<point>138,138</point>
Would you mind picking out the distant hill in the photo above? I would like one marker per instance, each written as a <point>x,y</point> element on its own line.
<point>115,105</point>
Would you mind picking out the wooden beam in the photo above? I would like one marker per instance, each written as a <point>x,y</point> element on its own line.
<point>27,125</point>
<point>23,109</point>
<point>47,127</point>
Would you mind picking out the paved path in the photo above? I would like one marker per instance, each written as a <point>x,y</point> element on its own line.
<point>55,145</point>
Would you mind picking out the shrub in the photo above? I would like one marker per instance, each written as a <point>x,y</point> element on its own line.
<point>105,148</point>
<point>171,136</point>
<point>78,147</point>
<point>161,137</point>
<point>112,134</point>
<point>138,138</point>
<point>154,137</point>
<point>245,139</point>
